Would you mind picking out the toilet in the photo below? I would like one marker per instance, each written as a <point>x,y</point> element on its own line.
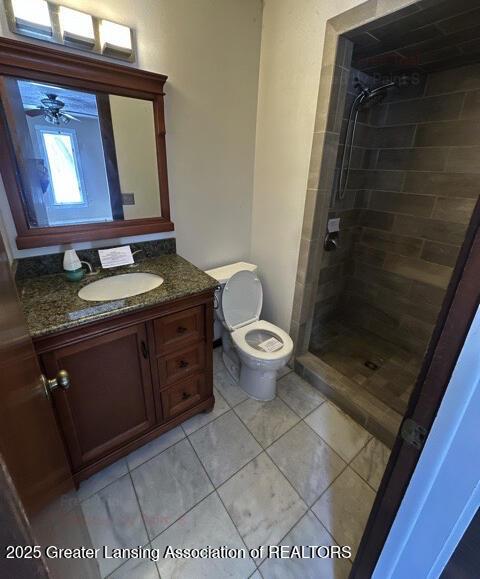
<point>253,349</point>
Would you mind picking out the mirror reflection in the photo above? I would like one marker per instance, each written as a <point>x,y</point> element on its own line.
<point>82,157</point>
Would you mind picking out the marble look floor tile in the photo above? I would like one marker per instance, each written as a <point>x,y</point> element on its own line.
<point>308,531</point>
<point>262,503</point>
<point>102,479</point>
<point>113,518</point>
<point>199,420</point>
<point>256,575</point>
<point>267,421</point>
<point>168,485</point>
<point>224,383</point>
<point>344,508</point>
<point>338,430</point>
<point>301,396</point>
<point>156,446</point>
<point>371,462</point>
<point>208,524</point>
<point>224,446</point>
<point>309,464</point>
<point>136,569</point>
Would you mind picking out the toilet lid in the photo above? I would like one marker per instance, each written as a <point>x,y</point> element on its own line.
<point>242,299</point>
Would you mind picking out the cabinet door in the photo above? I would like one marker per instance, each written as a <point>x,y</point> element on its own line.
<point>110,399</point>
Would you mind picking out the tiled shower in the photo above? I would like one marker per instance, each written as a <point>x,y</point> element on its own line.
<point>411,189</point>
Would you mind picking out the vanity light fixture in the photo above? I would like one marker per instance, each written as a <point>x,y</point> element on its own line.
<point>32,17</point>
<point>52,22</point>
<point>115,39</point>
<point>76,27</point>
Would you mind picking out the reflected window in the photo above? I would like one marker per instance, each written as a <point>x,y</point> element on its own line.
<point>61,154</point>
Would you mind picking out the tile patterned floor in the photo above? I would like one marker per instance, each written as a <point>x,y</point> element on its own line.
<point>293,471</point>
<point>347,349</point>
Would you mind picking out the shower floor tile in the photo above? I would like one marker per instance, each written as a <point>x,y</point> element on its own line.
<point>385,370</point>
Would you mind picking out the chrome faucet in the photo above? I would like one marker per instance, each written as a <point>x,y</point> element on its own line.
<point>88,264</point>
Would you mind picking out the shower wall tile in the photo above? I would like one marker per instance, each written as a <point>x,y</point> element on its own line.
<point>412,186</point>
<point>376,219</point>
<point>426,293</point>
<point>370,255</point>
<point>422,110</point>
<point>448,134</point>
<point>454,209</point>
<point>465,78</point>
<point>443,184</point>
<point>391,242</point>
<point>464,159</point>
<point>392,137</point>
<point>411,204</point>
<point>440,253</point>
<point>432,229</point>
<point>418,270</point>
<point>426,159</point>
<point>471,106</point>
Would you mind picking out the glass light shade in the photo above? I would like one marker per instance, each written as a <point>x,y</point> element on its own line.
<point>32,16</point>
<point>115,37</point>
<point>76,26</point>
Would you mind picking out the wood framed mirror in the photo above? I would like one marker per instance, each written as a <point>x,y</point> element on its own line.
<point>82,147</point>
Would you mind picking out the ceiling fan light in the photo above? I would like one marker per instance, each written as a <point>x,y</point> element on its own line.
<point>32,17</point>
<point>77,27</point>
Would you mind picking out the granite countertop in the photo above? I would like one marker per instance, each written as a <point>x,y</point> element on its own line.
<point>51,303</point>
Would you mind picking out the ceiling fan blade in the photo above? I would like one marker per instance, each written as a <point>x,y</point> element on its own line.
<point>71,117</point>
<point>34,112</point>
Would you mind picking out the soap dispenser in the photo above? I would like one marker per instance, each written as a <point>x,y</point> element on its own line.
<point>72,266</point>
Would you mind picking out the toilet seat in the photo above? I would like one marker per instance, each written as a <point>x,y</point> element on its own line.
<point>239,339</point>
<point>242,300</point>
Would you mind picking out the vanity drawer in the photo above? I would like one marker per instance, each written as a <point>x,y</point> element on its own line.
<point>175,330</point>
<point>178,364</point>
<point>184,395</point>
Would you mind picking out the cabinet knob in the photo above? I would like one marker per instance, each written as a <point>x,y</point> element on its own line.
<point>186,396</point>
<point>183,364</point>
<point>61,380</point>
<point>181,330</point>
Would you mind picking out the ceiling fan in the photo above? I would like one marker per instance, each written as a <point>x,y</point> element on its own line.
<point>51,109</point>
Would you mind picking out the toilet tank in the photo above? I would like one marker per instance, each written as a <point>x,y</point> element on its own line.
<point>222,274</point>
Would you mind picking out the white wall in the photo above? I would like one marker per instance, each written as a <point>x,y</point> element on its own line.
<point>291,54</point>
<point>210,51</point>
<point>134,136</point>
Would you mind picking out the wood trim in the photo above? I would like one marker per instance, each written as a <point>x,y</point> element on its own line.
<point>45,64</point>
<point>110,155</point>
<point>459,307</point>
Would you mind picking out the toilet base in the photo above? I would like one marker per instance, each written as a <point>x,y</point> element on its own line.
<point>258,384</point>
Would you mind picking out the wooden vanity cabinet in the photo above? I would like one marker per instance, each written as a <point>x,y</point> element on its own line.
<point>110,400</point>
<point>131,378</point>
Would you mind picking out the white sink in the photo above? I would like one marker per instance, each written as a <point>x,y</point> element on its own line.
<point>120,286</point>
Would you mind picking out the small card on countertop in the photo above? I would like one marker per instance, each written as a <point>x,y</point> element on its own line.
<point>333,225</point>
<point>270,345</point>
<point>115,256</point>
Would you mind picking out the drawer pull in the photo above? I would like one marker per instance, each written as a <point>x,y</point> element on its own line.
<point>144,350</point>
<point>186,395</point>
<point>183,364</point>
<point>181,330</point>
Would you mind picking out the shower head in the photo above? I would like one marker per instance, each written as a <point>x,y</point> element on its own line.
<point>371,97</point>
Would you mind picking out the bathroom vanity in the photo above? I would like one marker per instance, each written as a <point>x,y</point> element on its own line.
<point>136,367</point>
<point>83,157</point>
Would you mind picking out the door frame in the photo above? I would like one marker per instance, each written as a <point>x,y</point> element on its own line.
<point>453,323</point>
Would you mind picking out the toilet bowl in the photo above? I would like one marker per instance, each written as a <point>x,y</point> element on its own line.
<point>254,350</point>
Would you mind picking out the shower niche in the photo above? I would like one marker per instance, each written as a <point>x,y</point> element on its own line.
<point>403,126</point>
